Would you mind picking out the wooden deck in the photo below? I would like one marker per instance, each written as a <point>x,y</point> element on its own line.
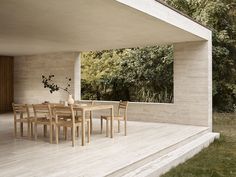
<point>103,156</point>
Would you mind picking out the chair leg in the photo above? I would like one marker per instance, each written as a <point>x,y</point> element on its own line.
<point>51,133</point>
<point>91,123</point>
<point>21,129</point>
<point>32,129</point>
<point>65,132</point>
<point>44,130</point>
<point>57,133</point>
<point>118,126</point>
<point>125,123</point>
<point>88,129</point>
<point>71,133</point>
<point>29,130</point>
<point>35,131</point>
<point>107,128</point>
<point>73,136</point>
<point>101,125</point>
<point>77,131</point>
<point>15,129</point>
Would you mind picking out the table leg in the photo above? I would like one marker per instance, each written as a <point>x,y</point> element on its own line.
<point>111,122</point>
<point>83,128</point>
<point>21,125</point>
<point>91,122</point>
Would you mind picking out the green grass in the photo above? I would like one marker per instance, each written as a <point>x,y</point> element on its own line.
<point>219,159</point>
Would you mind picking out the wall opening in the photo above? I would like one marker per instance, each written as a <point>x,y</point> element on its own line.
<point>143,74</point>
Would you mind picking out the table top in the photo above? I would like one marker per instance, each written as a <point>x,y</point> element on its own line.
<point>85,107</point>
<point>91,107</point>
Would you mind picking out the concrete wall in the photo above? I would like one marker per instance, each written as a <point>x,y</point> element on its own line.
<point>192,90</point>
<point>27,76</point>
<point>140,111</point>
<point>192,84</point>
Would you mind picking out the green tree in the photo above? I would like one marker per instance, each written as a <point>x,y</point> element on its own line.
<point>137,74</point>
<point>220,17</point>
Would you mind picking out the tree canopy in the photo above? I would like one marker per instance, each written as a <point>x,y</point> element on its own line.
<point>137,74</point>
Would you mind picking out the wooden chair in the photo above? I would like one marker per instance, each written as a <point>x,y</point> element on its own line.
<point>43,116</point>
<point>31,118</point>
<point>55,104</point>
<point>21,116</point>
<point>89,115</point>
<point>62,114</point>
<point>122,116</point>
<point>63,117</point>
<point>52,107</point>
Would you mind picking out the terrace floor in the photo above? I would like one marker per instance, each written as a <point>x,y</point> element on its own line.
<point>102,156</point>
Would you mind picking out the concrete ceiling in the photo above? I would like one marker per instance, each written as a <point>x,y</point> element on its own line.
<point>33,26</point>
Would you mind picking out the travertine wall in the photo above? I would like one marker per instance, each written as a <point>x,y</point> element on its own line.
<point>192,90</point>
<point>192,84</point>
<point>27,76</point>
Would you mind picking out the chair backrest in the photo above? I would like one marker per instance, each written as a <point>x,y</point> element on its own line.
<point>88,103</point>
<point>20,109</point>
<point>56,104</point>
<point>92,102</point>
<point>42,110</point>
<point>123,107</point>
<point>64,111</point>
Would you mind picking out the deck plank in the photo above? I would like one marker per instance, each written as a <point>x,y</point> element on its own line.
<point>23,157</point>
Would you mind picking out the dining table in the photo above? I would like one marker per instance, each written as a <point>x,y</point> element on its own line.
<point>88,108</point>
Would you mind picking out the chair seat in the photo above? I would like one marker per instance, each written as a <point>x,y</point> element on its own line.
<point>61,117</point>
<point>80,118</point>
<point>115,117</point>
<point>22,120</point>
<point>40,120</point>
<point>31,119</point>
<point>68,123</point>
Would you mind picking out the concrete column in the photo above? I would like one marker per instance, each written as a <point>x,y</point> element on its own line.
<point>77,77</point>
<point>193,82</point>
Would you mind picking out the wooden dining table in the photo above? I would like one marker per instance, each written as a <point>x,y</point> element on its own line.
<point>84,108</point>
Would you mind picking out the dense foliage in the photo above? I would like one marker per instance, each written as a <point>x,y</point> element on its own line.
<point>138,74</point>
<point>146,74</point>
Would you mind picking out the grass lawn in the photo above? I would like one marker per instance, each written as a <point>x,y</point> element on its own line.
<point>219,159</point>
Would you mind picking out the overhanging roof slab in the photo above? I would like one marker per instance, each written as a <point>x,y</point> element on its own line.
<point>32,27</point>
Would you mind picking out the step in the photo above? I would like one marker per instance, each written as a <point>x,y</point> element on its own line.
<point>162,164</point>
<point>158,154</point>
